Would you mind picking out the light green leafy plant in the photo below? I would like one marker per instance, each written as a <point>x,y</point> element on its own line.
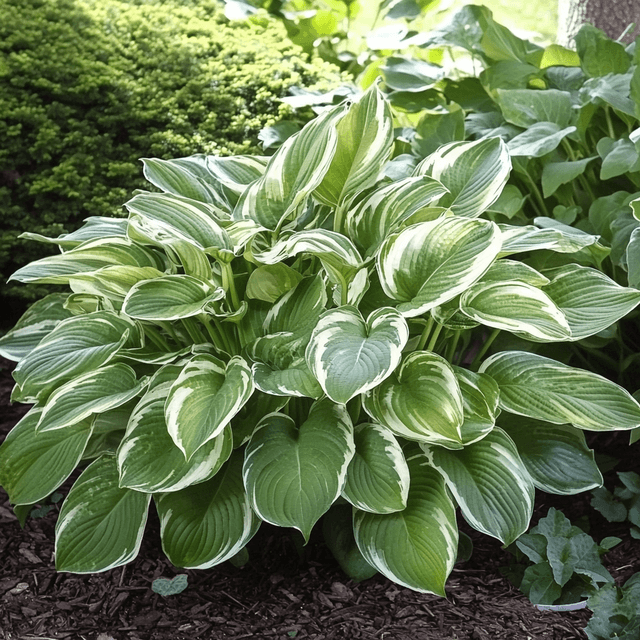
<point>566,565</point>
<point>616,611</point>
<point>269,337</point>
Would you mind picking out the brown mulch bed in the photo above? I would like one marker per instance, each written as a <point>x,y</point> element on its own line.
<point>279,594</point>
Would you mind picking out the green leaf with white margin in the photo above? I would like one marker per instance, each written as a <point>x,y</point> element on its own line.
<point>349,355</point>
<point>541,388</point>
<point>94,227</point>
<point>171,297</point>
<point>370,221</point>
<point>76,345</point>
<point>504,270</point>
<point>365,143</point>
<point>89,394</point>
<point>474,172</point>
<point>112,282</point>
<point>187,177</point>
<point>538,140</point>
<point>270,282</point>
<point>292,379</point>
<point>293,475</point>
<point>415,547</point>
<point>556,456</point>
<point>517,307</point>
<point>207,523</point>
<point>233,174</point>
<point>33,466</point>
<point>490,484</point>
<point>589,299</point>
<point>100,525</point>
<point>378,475</point>
<point>430,263</point>
<point>36,323</point>
<point>87,257</point>
<point>148,459</point>
<point>204,398</point>
<point>480,397</point>
<point>292,174</point>
<point>420,401</point>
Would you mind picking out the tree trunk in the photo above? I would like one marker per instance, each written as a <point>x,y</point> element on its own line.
<point>612,16</point>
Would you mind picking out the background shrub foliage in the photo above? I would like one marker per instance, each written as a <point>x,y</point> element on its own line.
<point>271,339</point>
<point>88,88</point>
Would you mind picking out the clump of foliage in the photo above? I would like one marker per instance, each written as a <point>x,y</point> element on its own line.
<point>87,88</point>
<point>566,566</point>
<point>616,611</point>
<point>571,123</point>
<point>269,337</point>
<point>623,504</point>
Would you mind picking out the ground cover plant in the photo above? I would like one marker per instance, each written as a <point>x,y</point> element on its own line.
<point>88,88</point>
<point>269,339</point>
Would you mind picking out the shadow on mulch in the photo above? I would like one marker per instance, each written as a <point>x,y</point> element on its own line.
<point>278,595</point>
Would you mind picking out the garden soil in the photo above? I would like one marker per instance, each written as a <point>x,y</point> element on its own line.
<point>283,592</point>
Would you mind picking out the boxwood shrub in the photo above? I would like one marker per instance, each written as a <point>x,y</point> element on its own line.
<point>88,88</point>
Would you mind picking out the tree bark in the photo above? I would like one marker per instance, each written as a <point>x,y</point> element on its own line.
<point>612,16</point>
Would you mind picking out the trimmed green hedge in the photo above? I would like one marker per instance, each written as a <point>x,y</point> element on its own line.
<point>89,87</point>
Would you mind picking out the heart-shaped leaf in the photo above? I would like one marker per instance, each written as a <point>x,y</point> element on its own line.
<point>207,523</point>
<point>97,535</point>
<point>204,398</point>
<point>490,484</point>
<point>422,401</point>
<point>415,547</point>
<point>430,263</point>
<point>538,387</point>
<point>349,356</point>
<point>293,475</point>
<point>166,587</point>
<point>378,475</point>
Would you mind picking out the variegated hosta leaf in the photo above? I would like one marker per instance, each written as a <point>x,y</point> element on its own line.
<point>415,547</point>
<point>208,523</point>
<point>186,177</point>
<point>293,379</point>
<point>89,394</point>
<point>179,218</point>
<point>292,173</point>
<point>204,398</point>
<point>561,239</point>
<point>538,387</point>
<point>589,299</point>
<point>517,307</point>
<point>336,252</point>
<point>378,475</point>
<point>36,323</point>
<point>349,355</point>
<point>504,270</point>
<point>111,282</point>
<point>247,419</point>
<point>100,525</point>
<point>365,142</point>
<point>148,459</point>
<point>270,282</point>
<point>421,401</point>
<point>556,456</point>
<point>33,466</point>
<point>76,345</point>
<point>371,220</point>
<point>490,484</point>
<point>430,263</point>
<point>233,174</point>
<point>293,475</point>
<point>474,172</point>
<point>480,397</point>
<point>86,258</point>
<point>94,227</point>
<point>450,316</point>
<point>170,298</point>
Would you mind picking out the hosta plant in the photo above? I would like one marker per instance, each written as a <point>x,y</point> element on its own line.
<point>268,337</point>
